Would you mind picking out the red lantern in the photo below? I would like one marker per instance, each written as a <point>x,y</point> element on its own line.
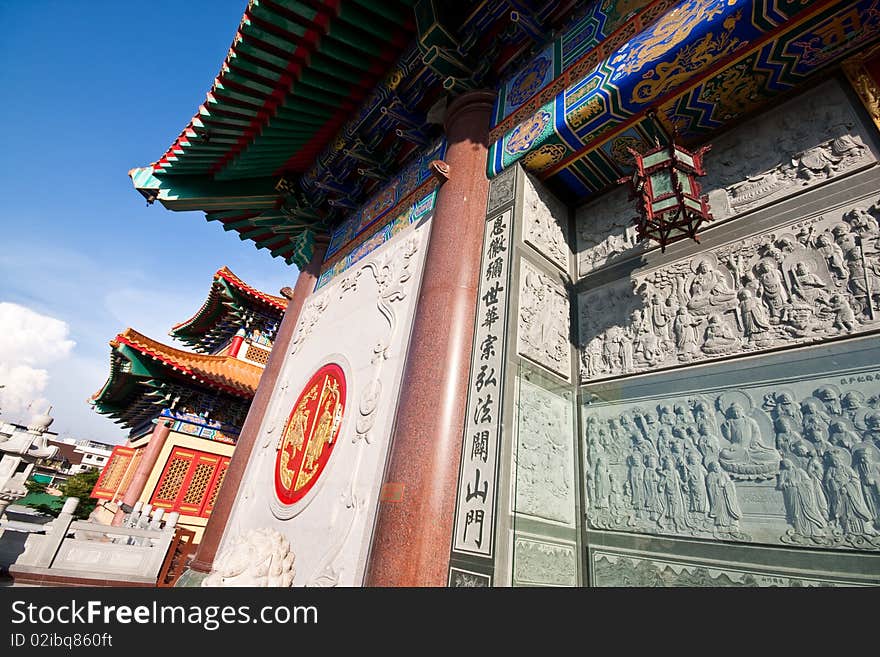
<point>670,205</point>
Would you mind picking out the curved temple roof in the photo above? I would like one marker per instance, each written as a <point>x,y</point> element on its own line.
<point>229,299</point>
<point>139,365</point>
<point>319,102</point>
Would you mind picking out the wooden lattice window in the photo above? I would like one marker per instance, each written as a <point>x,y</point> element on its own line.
<point>257,355</point>
<point>215,489</point>
<point>189,482</point>
<point>117,472</point>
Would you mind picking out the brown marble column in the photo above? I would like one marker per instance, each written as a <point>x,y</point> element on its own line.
<point>144,467</point>
<point>305,284</point>
<point>414,527</point>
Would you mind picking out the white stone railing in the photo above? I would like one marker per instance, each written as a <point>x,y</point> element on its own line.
<point>75,550</point>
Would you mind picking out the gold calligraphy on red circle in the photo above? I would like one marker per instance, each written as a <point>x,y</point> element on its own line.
<point>310,434</point>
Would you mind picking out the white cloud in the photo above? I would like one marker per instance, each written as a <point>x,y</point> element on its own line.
<point>29,342</point>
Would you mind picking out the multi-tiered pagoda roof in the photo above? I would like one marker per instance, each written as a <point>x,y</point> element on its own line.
<point>230,303</point>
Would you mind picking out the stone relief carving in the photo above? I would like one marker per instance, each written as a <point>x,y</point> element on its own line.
<point>539,562</point>
<point>545,223</point>
<point>311,313</point>
<point>544,324</point>
<point>796,464</point>
<point>544,458</point>
<point>803,143</point>
<point>618,570</point>
<point>501,190</point>
<point>808,281</point>
<point>606,231</point>
<point>810,140</point>
<point>465,579</point>
<point>392,273</point>
<point>259,557</point>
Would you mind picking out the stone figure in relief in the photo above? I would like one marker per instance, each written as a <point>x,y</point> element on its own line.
<point>687,334</point>
<point>672,487</point>
<point>868,467</point>
<point>747,456</point>
<point>772,290</point>
<point>719,337</point>
<point>724,506</point>
<point>806,285</point>
<point>695,480</point>
<point>840,310</point>
<point>636,483</point>
<point>708,288</point>
<point>847,505</point>
<point>833,255</point>
<point>653,501</point>
<point>751,317</point>
<point>801,505</point>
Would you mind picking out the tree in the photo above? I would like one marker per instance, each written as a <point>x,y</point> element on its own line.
<point>80,486</point>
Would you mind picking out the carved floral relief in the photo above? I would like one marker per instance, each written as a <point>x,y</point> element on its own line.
<point>619,570</point>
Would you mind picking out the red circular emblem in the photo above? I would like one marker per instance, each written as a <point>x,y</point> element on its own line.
<point>310,434</point>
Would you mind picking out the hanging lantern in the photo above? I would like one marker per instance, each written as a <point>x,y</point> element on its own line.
<point>670,205</point>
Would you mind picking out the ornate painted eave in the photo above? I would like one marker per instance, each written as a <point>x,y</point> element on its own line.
<point>319,104</point>
<point>229,299</point>
<point>144,374</point>
<point>700,65</point>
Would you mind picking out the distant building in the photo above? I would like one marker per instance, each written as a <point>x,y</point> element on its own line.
<point>184,409</point>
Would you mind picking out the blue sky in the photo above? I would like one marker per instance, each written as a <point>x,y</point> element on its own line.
<point>90,90</point>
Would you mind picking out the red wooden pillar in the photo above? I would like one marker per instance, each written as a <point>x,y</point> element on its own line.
<point>144,467</point>
<point>414,532</point>
<point>305,285</point>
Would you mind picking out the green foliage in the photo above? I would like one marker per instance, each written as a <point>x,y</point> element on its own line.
<point>33,486</point>
<point>81,485</point>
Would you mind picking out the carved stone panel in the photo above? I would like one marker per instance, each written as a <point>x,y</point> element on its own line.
<point>807,281</point>
<point>501,190</point>
<point>459,578</point>
<point>544,563</point>
<point>475,505</point>
<point>544,324</point>
<point>545,223</point>
<point>606,231</point>
<point>544,459</point>
<point>330,528</point>
<point>792,461</point>
<point>805,142</point>
<point>624,570</point>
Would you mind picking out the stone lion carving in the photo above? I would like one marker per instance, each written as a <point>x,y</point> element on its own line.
<point>261,557</point>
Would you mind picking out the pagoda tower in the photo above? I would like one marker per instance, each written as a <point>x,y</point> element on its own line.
<point>184,408</point>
